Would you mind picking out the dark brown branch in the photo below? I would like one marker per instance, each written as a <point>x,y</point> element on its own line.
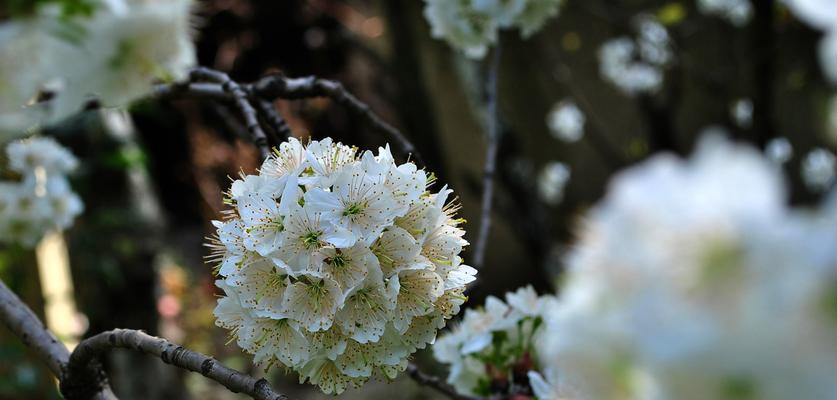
<point>240,97</point>
<point>228,117</point>
<point>493,137</point>
<point>434,382</point>
<point>273,118</point>
<point>95,347</point>
<point>278,86</point>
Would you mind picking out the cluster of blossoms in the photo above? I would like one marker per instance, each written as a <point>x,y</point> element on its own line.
<point>495,350</point>
<point>737,12</point>
<point>338,265</point>
<point>42,199</point>
<point>819,169</point>
<point>473,25</point>
<point>52,62</point>
<point>636,65</point>
<point>779,150</point>
<point>566,121</point>
<point>741,112</point>
<point>821,14</point>
<point>552,180</point>
<point>694,280</point>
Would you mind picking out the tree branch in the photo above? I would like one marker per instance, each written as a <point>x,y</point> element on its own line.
<point>26,325</point>
<point>493,136</point>
<point>273,118</point>
<point>434,382</point>
<point>95,347</point>
<point>23,322</point>
<point>81,377</point>
<point>197,89</point>
<point>240,97</point>
<point>277,86</point>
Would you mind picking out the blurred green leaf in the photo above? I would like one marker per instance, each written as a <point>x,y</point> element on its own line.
<point>672,13</point>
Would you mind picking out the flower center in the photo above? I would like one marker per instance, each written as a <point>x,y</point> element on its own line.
<point>338,261</point>
<point>353,209</point>
<point>311,240</point>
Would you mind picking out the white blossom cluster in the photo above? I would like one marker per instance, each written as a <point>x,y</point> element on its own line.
<point>819,169</point>
<point>566,121</point>
<point>821,14</point>
<point>737,12</point>
<point>779,150</point>
<point>472,26</point>
<point>113,56</point>
<point>498,346</point>
<point>694,280</point>
<point>552,180</point>
<point>338,265</point>
<point>741,112</point>
<point>42,199</point>
<point>636,65</point>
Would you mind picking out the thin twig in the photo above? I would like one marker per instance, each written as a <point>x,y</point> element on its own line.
<point>197,89</point>
<point>95,347</point>
<point>278,86</point>
<point>493,137</point>
<point>23,322</point>
<point>434,382</point>
<point>274,119</point>
<point>228,117</point>
<point>240,97</point>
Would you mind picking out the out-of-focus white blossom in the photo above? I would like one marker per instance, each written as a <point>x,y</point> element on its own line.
<point>622,65</point>
<point>742,112</point>
<point>113,55</point>
<point>499,343</point>
<point>693,280</point>
<point>472,26</point>
<point>779,150</point>
<point>337,265</point>
<point>128,47</point>
<point>566,121</point>
<point>653,40</point>
<point>821,14</point>
<point>636,65</point>
<point>42,199</point>
<point>737,12</point>
<point>828,55</point>
<point>552,180</point>
<point>818,169</point>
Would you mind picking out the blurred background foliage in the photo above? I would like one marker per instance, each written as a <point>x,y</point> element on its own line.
<point>152,180</point>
